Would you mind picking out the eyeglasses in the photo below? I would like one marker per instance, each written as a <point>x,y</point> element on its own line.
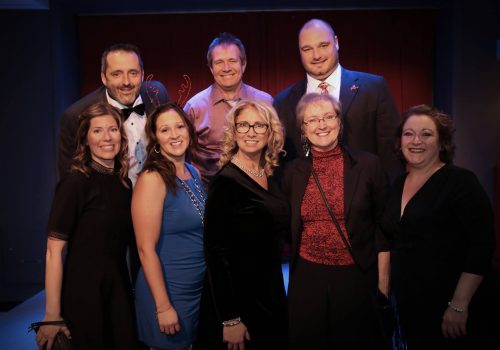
<point>258,128</point>
<point>314,122</point>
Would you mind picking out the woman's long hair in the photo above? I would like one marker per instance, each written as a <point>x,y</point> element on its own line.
<point>156,161</point>
<point>81,160</point>
<point>275,142</point>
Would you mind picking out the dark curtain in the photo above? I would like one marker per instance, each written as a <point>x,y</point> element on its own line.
<point>397,44</point>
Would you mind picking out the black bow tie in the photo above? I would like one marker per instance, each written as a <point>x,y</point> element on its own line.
<point>139,109</point>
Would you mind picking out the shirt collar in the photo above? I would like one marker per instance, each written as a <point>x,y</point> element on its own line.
<point>332,80</point>
<point>217,94</point>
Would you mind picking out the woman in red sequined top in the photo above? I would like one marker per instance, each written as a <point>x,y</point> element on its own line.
<point>331,292</point>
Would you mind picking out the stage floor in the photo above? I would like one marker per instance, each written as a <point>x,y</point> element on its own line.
<point>14,323</point>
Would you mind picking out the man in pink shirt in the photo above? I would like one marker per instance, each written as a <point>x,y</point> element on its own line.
<point>207,110</point>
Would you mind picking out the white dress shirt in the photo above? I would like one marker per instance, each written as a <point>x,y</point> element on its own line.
<point>333,81</point>
<point>134,127</point>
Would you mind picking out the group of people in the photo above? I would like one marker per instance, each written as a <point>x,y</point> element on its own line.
<point>174,219</point>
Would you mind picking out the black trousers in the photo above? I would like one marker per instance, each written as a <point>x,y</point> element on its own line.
<point>331,307</point>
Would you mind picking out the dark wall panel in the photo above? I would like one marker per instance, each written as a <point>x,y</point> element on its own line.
<point>28,146</point>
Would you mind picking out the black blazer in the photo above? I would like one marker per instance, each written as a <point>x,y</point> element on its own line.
<point>364,198</point>
<point>152,93</point>
<point>369,115</point>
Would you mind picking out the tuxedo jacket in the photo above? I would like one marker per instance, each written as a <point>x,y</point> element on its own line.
<point>369,115</point>
<point>153,93</point>
<point>365,189</point>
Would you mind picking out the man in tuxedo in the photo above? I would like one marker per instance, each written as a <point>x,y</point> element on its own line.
<point>369,115</point>
<point>122,75</point>
<point>207,110</point>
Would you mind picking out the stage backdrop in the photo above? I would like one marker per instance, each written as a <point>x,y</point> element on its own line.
<point>397,44</point>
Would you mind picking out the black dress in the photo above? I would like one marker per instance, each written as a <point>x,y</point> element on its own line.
<point>244,229</point>
<point>92,213</point>
<point>446,229</point>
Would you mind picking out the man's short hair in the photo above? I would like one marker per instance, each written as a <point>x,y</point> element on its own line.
<point>119,47</point>
<point>226,39</point>
<point>315,22</point>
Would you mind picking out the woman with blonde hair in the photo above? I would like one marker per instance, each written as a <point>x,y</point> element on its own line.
<point>245,221</point>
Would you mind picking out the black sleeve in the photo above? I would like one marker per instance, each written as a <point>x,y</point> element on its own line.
<point>472,209</point>
<point>217,239</point>
<point>67,206</point>
<point>67,141</point>
<point>379,198</point>
<point>387,123</point>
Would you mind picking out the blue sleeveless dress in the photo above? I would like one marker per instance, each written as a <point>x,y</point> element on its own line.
<point>180,249</point>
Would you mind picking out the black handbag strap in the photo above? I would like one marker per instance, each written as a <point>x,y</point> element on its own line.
<point>34,326</point>
<point>334,219</point>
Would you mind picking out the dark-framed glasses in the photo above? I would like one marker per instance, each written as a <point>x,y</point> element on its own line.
<point>258,128</point>
<point>314,122</point>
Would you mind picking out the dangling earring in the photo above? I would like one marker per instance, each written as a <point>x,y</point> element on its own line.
<point>156,149</point>
<point>306,146</point>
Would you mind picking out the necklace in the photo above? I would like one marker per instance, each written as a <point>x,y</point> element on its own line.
<point>197,200</point>
<point>259,173</point>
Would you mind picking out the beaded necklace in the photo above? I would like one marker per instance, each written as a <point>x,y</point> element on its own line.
<point>259,173</point>
<point>197,200</point>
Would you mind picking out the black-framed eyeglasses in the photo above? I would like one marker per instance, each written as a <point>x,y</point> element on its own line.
<point>314,122</point>
<point>258,128</point>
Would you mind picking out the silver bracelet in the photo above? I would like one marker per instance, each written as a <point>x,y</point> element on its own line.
<point>454,308</point>
<point>233,322</point>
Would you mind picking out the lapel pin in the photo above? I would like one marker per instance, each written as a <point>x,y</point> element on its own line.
<point>354,88</point>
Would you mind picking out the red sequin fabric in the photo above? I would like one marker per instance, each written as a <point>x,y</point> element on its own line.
<point>320,241</point>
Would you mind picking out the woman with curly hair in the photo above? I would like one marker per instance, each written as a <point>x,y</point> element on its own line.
<point>90,293</point>
<point>245,222</point>
<point>442,223</point>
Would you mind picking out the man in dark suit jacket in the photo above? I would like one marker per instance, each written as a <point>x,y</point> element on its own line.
<point>122,75</point>
<point>369,115</point>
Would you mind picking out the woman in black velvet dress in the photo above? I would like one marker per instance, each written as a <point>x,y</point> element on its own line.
<point>245,219</point>
<point>91,292</point>
<point>442,223</point>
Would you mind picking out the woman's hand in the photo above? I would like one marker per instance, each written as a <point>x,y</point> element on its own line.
<point>454,324</point>
<point>46,334</point>
<point>235,336</point>
<point>168,321</point>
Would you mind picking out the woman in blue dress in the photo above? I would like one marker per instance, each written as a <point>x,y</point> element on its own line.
<point>167,212</point>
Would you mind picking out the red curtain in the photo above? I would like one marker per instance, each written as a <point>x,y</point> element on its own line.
<point>397,44</point>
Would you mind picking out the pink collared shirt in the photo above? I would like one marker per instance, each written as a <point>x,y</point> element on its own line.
<point>207,111</point>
